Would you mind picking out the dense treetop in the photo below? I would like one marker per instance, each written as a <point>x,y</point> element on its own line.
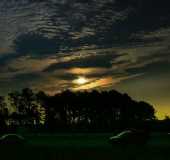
<point>93,110</point>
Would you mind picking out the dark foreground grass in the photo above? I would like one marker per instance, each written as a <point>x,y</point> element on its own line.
<point>85,147</point>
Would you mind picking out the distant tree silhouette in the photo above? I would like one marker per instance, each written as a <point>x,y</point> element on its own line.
<point>90,111</point>
<point>16,103</point>
<point>43,99</point>
<point>3,114</point>
<point>29,106</point>
<point>25,105</point>
<point>144,111</point>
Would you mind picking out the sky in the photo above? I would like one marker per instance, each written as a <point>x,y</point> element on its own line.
<point>54,45</point>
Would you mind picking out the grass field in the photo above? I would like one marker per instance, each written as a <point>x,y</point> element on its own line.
<point>85,147</point>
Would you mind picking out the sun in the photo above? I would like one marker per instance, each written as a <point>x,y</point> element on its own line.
<point>81,80</point>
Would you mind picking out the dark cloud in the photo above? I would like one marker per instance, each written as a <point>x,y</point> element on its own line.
<point>101,61</point>
<point>16,83</point>
<point>108,24</point>
<point>155,68</point>
<point>26,77</point>
<point>34,44</point>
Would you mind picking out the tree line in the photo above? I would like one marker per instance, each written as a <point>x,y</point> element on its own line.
<point>69,111</point>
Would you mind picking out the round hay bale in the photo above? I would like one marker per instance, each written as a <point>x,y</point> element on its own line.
<point>12,139</point>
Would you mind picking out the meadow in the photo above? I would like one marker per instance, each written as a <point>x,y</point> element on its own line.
<point>85,147</point>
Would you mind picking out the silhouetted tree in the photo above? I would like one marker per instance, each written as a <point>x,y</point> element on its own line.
<point>25,106</point>
<point>29,106</point>
<point>15,101</point>
<point>144,111</point>
<point>3,113</point>
<point>93,110</point>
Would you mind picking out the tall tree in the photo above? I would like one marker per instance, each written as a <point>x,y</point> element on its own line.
<point>3,113</point>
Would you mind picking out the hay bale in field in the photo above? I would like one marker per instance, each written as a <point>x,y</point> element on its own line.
<point>12,139</point>
<point>137,137</point>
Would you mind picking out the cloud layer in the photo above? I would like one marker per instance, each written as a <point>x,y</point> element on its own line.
<point>113,43</point>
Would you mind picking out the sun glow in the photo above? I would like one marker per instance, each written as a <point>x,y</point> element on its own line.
<point>81,80</point>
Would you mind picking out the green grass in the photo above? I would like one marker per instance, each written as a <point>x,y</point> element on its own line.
<point>71,140</point>
<point>85,147</point>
